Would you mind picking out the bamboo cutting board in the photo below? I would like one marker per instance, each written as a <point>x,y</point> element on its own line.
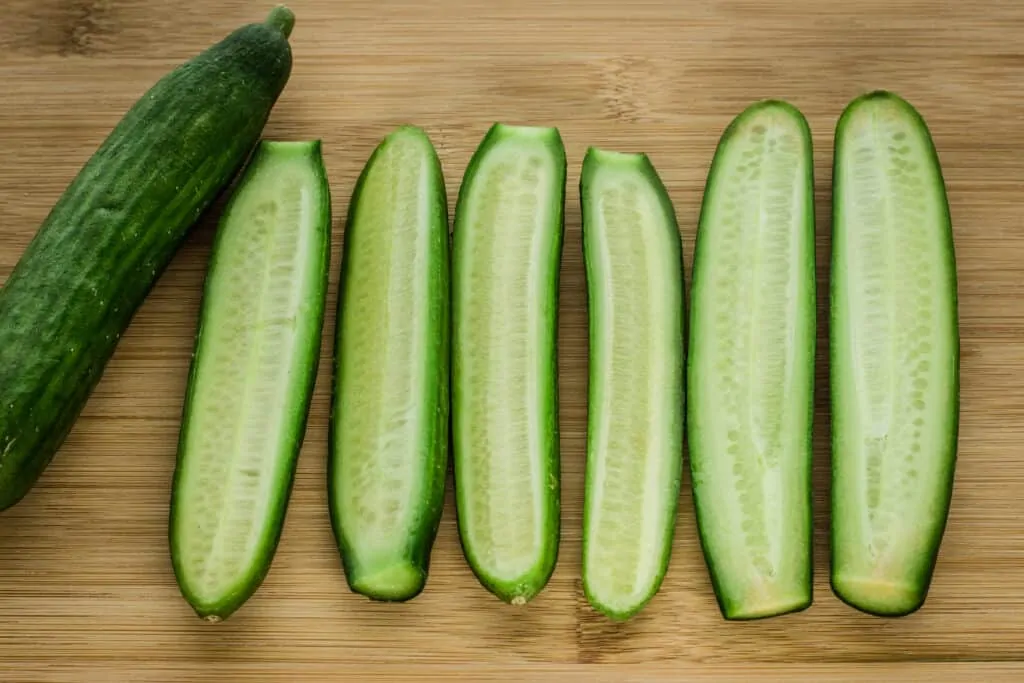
<point>86,588</point>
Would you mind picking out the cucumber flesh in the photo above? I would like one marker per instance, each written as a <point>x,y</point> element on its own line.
<point>389,436</point>
<point>751,364</point>
<point>506,253</point>
<point>251,378</point>
<point>633,258</point>
<point>895,357</point>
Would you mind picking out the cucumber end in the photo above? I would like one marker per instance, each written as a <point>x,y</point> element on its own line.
<point>880,597</point>
<point>396,582</point>
<point>766,606</point>
<point>281,18</point>
<point>517,593</point>
<point>623,611</point>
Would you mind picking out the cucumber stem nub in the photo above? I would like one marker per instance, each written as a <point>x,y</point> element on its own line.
<point>281,18</point>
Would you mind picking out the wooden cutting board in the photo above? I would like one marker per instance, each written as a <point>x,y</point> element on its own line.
<point>86,588</point>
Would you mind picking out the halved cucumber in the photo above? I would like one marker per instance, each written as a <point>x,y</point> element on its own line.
<point>389,434</point>
<point>895,357</point>
<point>252,377</point>
<point>507,248</point>
<point>633,258</point>
<point>750,379</point>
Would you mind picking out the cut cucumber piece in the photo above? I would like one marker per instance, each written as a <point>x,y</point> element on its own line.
<point>750,376</point>
<point>252,377</point>
<point>633,258</point>
<point>507,249</point>
<point>389,433</point>
<point>895,357</point>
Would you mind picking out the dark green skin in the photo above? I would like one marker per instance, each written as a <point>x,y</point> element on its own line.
<point>421,543</point>
<point>114,230</point>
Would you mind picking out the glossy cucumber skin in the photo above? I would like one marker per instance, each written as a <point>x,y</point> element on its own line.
<point>642,167</point>
<point>878,605</point>
<point>704,500</point>
<point>300,396</point>
<point>112,233</point>
<point>436,441</point>
<point>525,590</point>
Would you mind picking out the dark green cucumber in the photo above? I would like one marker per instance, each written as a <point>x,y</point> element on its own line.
<point>750,376</point>
<point>895,347</point>
<point>389,422</point>
<point>633,258</point>
<point>114,230</point>
<point>252,377</point>
<point>507,248</point>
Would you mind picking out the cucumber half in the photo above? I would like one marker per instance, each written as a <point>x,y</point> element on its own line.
<point>507,247</point>
<point>750,377</point>
<point>389,435</point>
<point>251,378</point>
<point>895,357</point>
<point>633,259</point>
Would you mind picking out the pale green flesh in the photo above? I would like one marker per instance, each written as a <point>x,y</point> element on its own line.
<point>387,397</point>
<point>894,359</point>
<point>634,452</point>
<point>507,241</point>
<point>260,331</point>
<point>752,366</point>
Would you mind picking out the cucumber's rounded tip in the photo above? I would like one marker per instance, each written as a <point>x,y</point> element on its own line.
<point>283,19</point>
<point>879,598</point>
<point>212,619</point>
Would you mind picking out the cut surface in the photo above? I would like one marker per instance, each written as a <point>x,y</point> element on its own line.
<point>751,364</point>
<point>388,442</point>
<point>507,253</point>
<point>247,401</point>
<point>634,453</point>
<point>895,356</point>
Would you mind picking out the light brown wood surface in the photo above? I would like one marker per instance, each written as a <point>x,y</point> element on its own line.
<point>86,588</point>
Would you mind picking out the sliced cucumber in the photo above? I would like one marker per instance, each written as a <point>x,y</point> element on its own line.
<point>251,378</point>
<point>389,436</point>
<point>633,258</point>
<point>895,357</point>
<point>507,248</point>
<point>750,378</point>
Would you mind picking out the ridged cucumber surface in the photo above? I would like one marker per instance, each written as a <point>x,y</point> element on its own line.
<point>389,434</point>
<point>633,258</point>
<point>507,248</point>
<point>750,378</point>
<point>251,378</point>
<point>895,357</point>
<point>112,233</point>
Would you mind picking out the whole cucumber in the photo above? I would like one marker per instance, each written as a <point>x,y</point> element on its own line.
<point>114,230</point>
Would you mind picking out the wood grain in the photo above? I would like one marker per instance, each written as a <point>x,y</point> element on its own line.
<point>86,589</point>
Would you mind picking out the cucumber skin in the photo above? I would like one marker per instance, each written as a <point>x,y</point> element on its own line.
<point>693,443</point>
<point>648,170</point>
<point>521,592</point>
<point>928,564</point>
<point>222,610</point>
<point>421,545</point>
<point>112,233</point>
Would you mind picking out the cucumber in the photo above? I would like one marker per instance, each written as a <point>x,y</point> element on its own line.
<point>111,234</point>
<point>750,367</point>
<point>389,421</point>
<point>633,263</point>
<point>895,357</point>
<point>506,253</point>
<point>251,377</point>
